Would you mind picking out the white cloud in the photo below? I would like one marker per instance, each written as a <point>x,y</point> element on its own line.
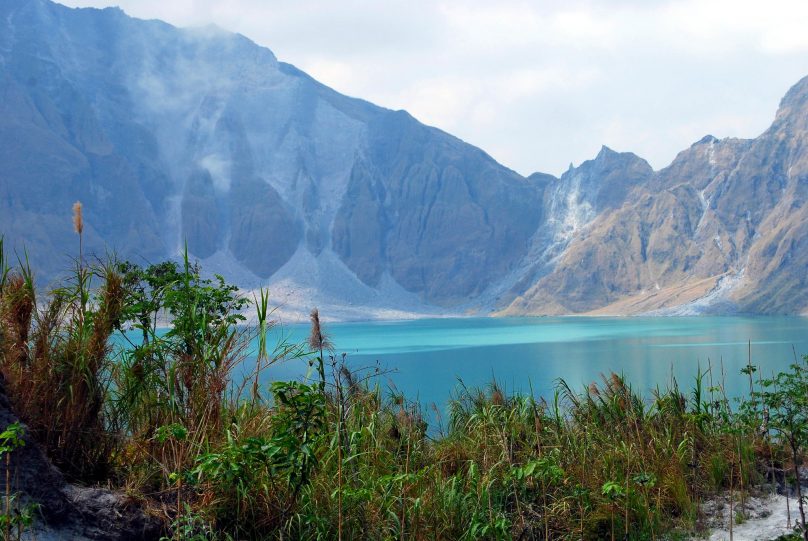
<point>537,84</point>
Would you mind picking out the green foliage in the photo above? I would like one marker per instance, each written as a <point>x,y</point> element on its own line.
<point>718,468</point>
<point>332,456</point>
<point>192,303</point>
<point>173,431</point>
<point>247,474</point>
<point>11,438</point>
<point>783,400</point>
<point>15,519</point>
<point>18,520</point>
<point>57,364</point>
<point>174,380</point>
<point>192,526</point>
<point>299,423</point>
<point>613,491</point>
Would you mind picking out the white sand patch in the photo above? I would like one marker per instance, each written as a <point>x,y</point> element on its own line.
<point>766,518</point>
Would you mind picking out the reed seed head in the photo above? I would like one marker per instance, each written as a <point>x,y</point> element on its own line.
<point>78,218</point>
<point>317,339</point>
<point>315,336</point>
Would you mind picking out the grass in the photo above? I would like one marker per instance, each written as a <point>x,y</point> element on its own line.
<point>332,456</point>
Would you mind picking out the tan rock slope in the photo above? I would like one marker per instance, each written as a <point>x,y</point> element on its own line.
<point>723,228</point>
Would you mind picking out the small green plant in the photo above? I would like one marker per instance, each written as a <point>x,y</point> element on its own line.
<point>192,526</point>
<point>250,473</point>
<point>20,520</point>
<point>718,469</point>
<point>784,399</point>
<point>15,519</point>
<point>614,492</point>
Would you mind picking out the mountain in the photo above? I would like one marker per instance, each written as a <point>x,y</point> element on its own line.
<point>724,228</point>
<point>172,135</point>
<point>169,135</point>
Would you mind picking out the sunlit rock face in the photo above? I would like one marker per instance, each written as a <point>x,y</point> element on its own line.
<point>723,228</point>
<point>200,138</point>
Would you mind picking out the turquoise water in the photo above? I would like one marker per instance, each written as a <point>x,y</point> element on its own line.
<point>425,359</point>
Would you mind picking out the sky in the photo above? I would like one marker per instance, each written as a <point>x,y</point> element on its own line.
<point>538,85</point>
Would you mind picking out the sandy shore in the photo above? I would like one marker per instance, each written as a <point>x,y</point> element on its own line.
<point>766,519</point>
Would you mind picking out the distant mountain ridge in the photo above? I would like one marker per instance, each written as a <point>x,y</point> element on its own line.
<point>170,135</point>
<point>724,228</point>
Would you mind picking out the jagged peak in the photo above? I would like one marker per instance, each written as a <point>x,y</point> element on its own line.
<point>793,110</point>
<point>607,154</point>
<point>706,140</point>
<point>605,151</point>
<point>797,95</point>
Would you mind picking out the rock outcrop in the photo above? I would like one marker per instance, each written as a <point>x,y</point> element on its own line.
<point>68,511</point>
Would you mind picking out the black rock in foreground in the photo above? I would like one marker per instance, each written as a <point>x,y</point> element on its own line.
<point>68,511</point>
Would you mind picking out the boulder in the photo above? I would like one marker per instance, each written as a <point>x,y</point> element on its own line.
<point>68,511</point>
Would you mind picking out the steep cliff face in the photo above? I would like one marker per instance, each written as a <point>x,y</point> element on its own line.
<point>777,261</point>
<point>723,228</point>
<point>54,149</point>
<point>439,219</point>
<point>170,136</point>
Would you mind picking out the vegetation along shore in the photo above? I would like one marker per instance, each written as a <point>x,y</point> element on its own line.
<point>164,421</point>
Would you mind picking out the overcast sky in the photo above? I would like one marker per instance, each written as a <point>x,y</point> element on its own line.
<point>542,84</point>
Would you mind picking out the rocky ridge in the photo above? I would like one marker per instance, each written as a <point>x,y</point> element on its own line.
<point>722,229</point>
<point>198,135</point>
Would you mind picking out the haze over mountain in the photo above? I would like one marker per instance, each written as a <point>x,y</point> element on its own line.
<point>170,135</point>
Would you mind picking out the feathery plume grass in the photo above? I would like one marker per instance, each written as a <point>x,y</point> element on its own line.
<point>78,227</point>
<point>318,340</point>
<point>78,218</point>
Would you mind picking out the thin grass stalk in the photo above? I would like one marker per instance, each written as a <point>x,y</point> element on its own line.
<point>5,269</point>
<point>8,495</point>
<point>340,420</point>
<point>262,309</point>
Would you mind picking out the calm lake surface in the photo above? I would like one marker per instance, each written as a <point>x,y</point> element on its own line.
<point>428,357</point>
